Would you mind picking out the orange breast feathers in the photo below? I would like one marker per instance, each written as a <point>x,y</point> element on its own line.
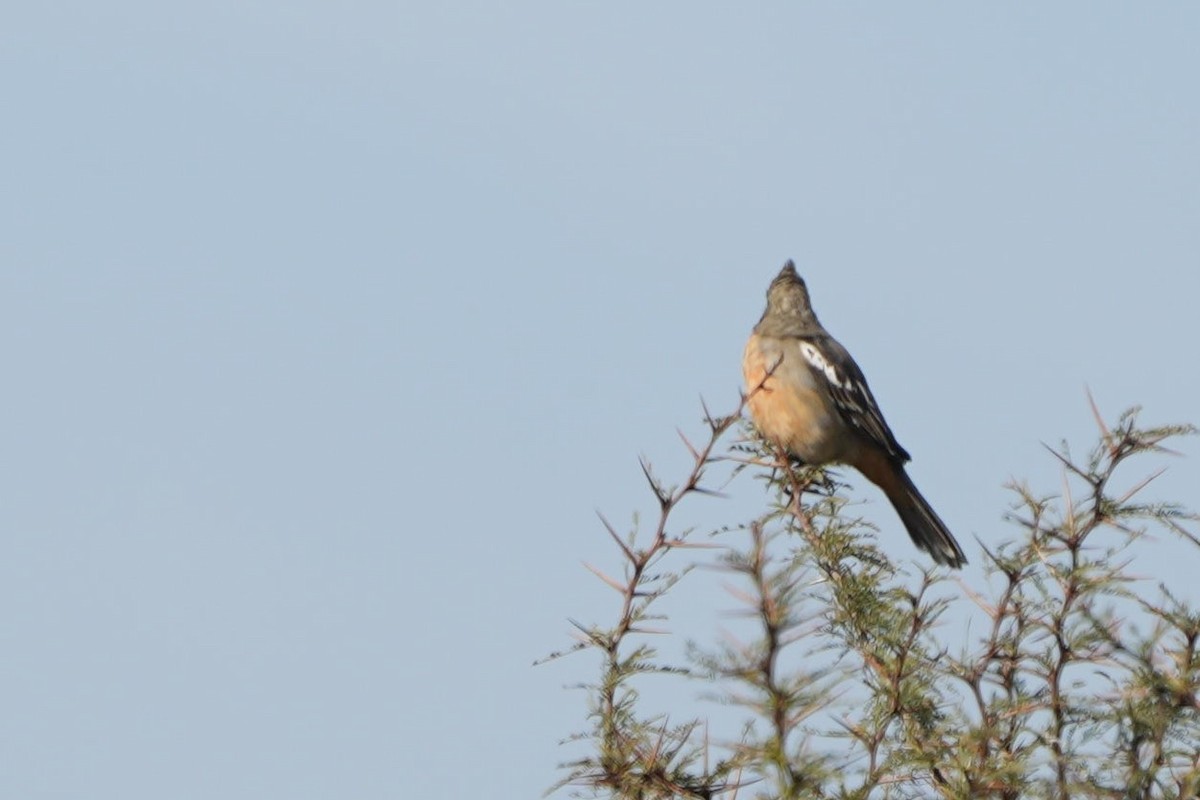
<point>785,402</point>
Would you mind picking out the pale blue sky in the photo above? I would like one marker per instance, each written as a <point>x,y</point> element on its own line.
<point>325,328</point>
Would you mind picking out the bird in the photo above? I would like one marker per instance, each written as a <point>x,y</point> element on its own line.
<point>806,394</point>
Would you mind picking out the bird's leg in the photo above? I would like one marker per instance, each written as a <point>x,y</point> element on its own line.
<point>795,481</point>
<point>792,465</point>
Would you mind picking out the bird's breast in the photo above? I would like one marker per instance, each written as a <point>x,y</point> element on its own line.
<point>787,404</point>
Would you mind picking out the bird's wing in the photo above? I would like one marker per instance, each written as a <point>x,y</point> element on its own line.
<point>848,387</point>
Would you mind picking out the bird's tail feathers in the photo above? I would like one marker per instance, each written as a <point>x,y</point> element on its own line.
<point>925,527</point>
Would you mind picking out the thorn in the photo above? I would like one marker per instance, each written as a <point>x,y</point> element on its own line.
<point>1105,433</point>
<point>1067,463</point>
<point>695,453</point>
<point>662,496</point>
<point>613,533</point>
<point>611,582</point>
<point>1142,485</point>
<point>709,492</point>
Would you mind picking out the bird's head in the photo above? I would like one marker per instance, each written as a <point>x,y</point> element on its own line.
<point>787,300</point>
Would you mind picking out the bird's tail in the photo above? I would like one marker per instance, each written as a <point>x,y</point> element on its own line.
<point>925,527</point>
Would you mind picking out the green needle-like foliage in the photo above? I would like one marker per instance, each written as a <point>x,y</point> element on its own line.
<point>1076,678</point>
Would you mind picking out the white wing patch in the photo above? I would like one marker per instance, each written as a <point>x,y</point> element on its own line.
<point>818,360</point>
<point>851,392</point>
<point>848,391</point>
